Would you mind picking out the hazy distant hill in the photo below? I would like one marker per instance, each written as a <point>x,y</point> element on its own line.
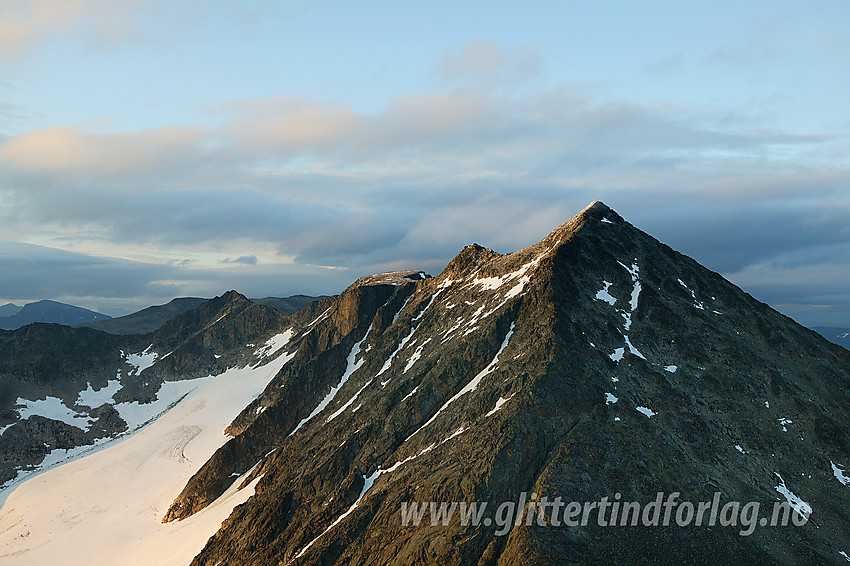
<point>9,309</point>
<point>151,318</point>
<point>50,311</point>
<point>146,320</point>
<point>840,336</point>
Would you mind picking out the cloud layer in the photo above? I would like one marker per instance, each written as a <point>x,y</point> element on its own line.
<point>288,194</point>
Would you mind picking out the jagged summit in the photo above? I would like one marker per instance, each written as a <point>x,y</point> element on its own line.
<point>599,210</point>
<point>475,258</point>
<point>594,213</point>
<point>469,259</point>
<point>230,296</point>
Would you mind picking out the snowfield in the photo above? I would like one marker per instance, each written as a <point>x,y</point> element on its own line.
<point>53,408</point>
<point>107,507</point>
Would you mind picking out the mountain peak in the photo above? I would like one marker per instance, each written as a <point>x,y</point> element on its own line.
<point>9,309</point>
<point>596,206</point>
<point>596,211</point>
<point>231,296</point>
<point>469,259</point>
<point>600,211</point>
<point>475,258</point>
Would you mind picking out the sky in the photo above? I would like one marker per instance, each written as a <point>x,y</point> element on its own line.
<point>151,149</point>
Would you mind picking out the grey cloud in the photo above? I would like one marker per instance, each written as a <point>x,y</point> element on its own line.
<point>117,286</point>
<point>815,294</point>
<point>449,133</point>
<point>31,271</point>
<point>244,260</point>
<point>407,187</point>
<point>729,236</point>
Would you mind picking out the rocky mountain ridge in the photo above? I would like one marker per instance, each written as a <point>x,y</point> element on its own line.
<point>597,361</point>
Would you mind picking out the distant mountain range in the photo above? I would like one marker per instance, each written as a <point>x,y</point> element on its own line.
<point>9,309</point>
<point>48,311</point>
<point>146,320</point>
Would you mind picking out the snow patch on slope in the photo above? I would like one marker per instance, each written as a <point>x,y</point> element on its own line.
<point>95,398</point>
<point>632,349</point>
<point>646,411</point>
<point>368,481</point>
<point>53,408</point>
<point>473,384</point>
<point>403,343</point>
<point>494,283</point>
<point>617,355</point>
<point>411,394</point>
<point>141,361</point>
<point>342,409</point>
<point>839,474</point>
<point>351,366</point>
<point>801,507</point>
<point>414,357</point>
<point>499,402</point>
<point>274,344</point>
<point>697,303</point>
<point>634,272</point>
<point>604,295</point>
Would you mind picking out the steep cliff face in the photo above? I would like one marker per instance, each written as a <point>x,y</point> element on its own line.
<point>596,362</point>
<point>321,338</point>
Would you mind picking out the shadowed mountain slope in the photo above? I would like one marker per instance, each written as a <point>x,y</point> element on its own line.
<point>596,362</point>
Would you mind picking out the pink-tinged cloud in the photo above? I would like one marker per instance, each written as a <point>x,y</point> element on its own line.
<point>287,124</point>
<point>68,151</point>
<point>24,25</point>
